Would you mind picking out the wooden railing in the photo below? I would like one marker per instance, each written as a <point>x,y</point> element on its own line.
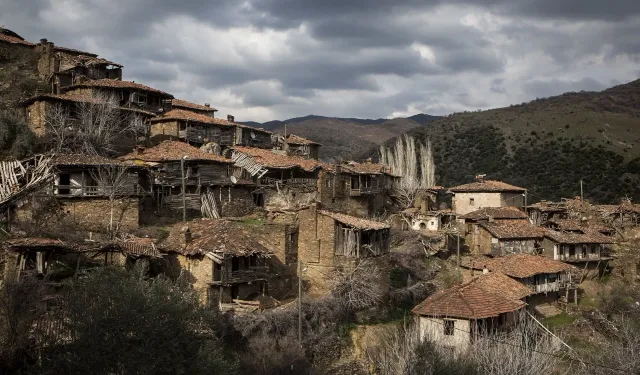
<point>365,191</point>
<point>579,256</point>
<point>242,276</point>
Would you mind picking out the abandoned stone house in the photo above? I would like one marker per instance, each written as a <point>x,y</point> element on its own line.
<point>295,145</point>
<point>211,190</point>
<point>475,236</point>
<point>485,193</point>
<point>622,216</point>
<point>330,240</point>
<point>128,94</point>
<point>86,193</point>
<point>582,248</point>
<point>199,129</point>
<point>360,189</point>
<point>222,260</point>
<point>547,279</point>
<point>63,67</point>
<point>540,212</point>
<point>282,182</point>
<point>455,317</point>
<point>205,110</point>
<point>504,237</point>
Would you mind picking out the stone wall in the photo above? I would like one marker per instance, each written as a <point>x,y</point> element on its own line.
<point>463,203</point>
<point>162,131</point>
<point>36,115</point>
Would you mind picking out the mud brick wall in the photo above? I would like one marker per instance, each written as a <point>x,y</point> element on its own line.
<point>163,131</point>
<point>94,214</point>
<point>198,271</point>
<point>316,250</point>
<point>282,265</point>
<point>234,201</point>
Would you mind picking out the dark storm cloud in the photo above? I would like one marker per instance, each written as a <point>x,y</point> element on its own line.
<point>382,56</point>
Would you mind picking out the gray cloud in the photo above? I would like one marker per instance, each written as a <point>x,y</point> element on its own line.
<point>280,58</point>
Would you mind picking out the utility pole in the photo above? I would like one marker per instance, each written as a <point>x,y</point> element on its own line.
<point>300,302</point>
<point>458,247</point>
<point>581,195</point>
<point>184,200</point>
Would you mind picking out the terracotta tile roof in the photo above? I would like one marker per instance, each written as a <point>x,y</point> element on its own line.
<point>72,50</point>
<point>520,265</point>
<point>43,244</point>
<point>185,115</point>
<point>578,238</point>
<point>502,285</point>
<point>177,103</point>
<point>216,236</point>
<point>117,84</point>
<point>14,40</point>
<point>545,206</point>
<point>139,246</point>
<point>139,111</point>
<point>273,160</point>
<point>84,160</point>
<point>577,225</point>
<point>296,140</point>
<point>172,151</point>
<point>355,222</point>
<point>365,168</point>
<point>467,301</point>
<point>487,186</point>
<point>508,229</point>
<point>496,213</point>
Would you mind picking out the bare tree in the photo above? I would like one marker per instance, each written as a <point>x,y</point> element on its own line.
<point>114,182</point>
<point>92,126</point>
<point>358,288</point>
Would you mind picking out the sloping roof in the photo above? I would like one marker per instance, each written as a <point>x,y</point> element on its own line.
<point>467,301</point>
<point>297,140</point>
<point>578,238</point>
<point>172,151</point>
<point>577,225</point>
<point>186,115</point>
<point>521,265</point>
<point>73,50</point>
<point>365,168</point>
<point>70,97</point>
<point>508,229</point>
<point>273,160</point>
<point>546,206</point>
<point>217,236</point>
<point>501,284</point>
<point>117,84</point>
<point>185,104</point>
<point>14,40</point>
<point>86,61</point>
<point>43,244</point>
<point>487,186</point>
<point>355,222</point>
<point>84,160</point>
<point>496,213</point>
<point>139,246</point>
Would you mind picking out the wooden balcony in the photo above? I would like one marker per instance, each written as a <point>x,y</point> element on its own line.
<point>356,192</point>
<point>242,276</point>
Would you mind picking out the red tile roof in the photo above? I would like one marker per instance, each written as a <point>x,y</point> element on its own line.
<point>71,97</point>
<point>273,160</point>
<point>496,213</point>
<point>217,236</point>
<point>14,40</point>
<point>172,151</point>
<point>365,168</point>
<point>578,238</point>
<point>86,61</point>
<point>177,103</point>
<point>521,265</point>
<point>185,115</point>
<point>296,140</point>
<point>72,50</point>
<point>355,222</point>
<point>467,301</point>
<point>508,229</point>
<point>487,186</point>
<point>139,246</point>
<point>117,84</point>
<point>502,285</point>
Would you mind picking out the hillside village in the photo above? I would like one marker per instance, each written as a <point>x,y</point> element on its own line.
<point>255,221</point>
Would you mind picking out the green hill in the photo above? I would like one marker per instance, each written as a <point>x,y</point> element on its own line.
<point>547,145</point>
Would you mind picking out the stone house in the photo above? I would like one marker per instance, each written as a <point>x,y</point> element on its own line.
<point>469,224</point>
<point>330,240</point>
<point>199,129</point>
<point>87,193</point>
<point>11,38</point>
<point>63,67</point>
<point>541,212</point>
<point>547,279</point>
<point>359,189</point>
<point>282,182</point>
<point>485,193</point>
<point>504,237</point>
<point>297,146</point>
<point>455,317</point>
<point>221,259</point>
<point>129,94</point>
<point>623,215</point>
<point>211,190</point>
<point>205,110</point>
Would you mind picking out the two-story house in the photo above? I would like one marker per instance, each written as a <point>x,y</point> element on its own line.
<point>504,237</point>
<point>485,193</point>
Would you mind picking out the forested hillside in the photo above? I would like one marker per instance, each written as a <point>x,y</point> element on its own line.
<point>547,145</point>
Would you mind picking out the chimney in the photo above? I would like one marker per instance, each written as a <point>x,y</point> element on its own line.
<point>186,235</point>
<point>424,207</point>
<point>369,161</point>
<point>480,177</point>
<point>43,41</point>
<point>230,118</point>
<point>207,105</point>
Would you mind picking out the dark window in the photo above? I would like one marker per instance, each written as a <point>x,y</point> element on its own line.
<point>472,201</point>
<point>449,326</point>
<point>258,199</point>
<point>63,184</point>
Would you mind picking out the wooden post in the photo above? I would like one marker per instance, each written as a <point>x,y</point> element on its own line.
<point>581,196</point>
<point>458,247</point>
<point>300,302</point>
<point>184,201</point>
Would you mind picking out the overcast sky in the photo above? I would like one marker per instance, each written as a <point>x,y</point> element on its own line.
<point>275,59</point>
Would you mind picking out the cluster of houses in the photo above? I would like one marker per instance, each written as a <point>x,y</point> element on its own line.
<point>241,209</point>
